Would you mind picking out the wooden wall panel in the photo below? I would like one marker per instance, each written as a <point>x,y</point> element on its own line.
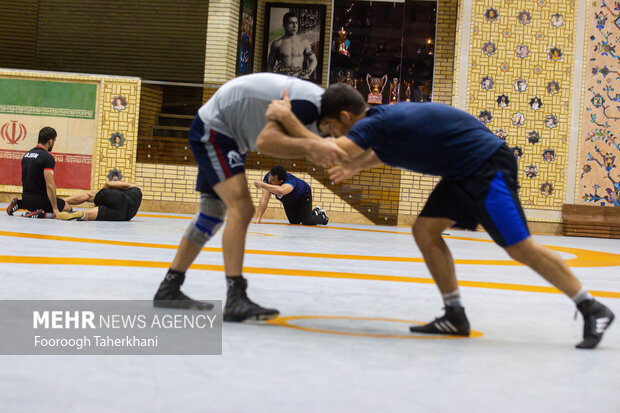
<point>152,39</point>
<point>18,32</point>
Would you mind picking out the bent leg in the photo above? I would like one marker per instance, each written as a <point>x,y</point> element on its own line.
<point>438,258</point>
<point>205,224</point>
<point>236,196</point>
<point>80,198</point>
<point>292,214</point>
<point>308,217</point>
<point>427,233</point>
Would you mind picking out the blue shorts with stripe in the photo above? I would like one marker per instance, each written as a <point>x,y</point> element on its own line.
<point>488,197</point>
<point>217,156</point>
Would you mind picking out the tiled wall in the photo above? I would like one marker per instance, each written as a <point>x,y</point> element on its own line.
<point>112,121</point>
<point>109,121</point>
<point>598,173</point>
<point>522,52</point>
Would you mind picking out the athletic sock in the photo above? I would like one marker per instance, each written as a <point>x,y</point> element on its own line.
<point>452,299</point>
<point>581,296</point>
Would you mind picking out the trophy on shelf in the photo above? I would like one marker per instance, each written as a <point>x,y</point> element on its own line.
<point>394,91</point>
<point>376,86</point>
<point>349,79</point>
<point>343,43</point>
<point>341,76</point>
<point>357,83</point>
<point>407,90</point>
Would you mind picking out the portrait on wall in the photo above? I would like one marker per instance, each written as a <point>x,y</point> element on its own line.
<point>522,51</point>
<point>294,35</point>
<point>487,83</point>
<point>524,17</point>
<point>489,49</point>
<point>557,20</point>
<point>117,140</point>
<point>551,121</point>
<point>548,155</point>
<point>501,133</point>
<point>520,85</point>
<point>502,101</point>
<point>517,152</point>
<point>533,137</point>
<point>546,189</point>
<point>555,54</point>
<point>485,117</point>
<point>535,103</point>
<point>119,103</point>
<point>553,88</point>
<point>245,42</point>
<point>531,171</point>
<point>491,15</point>
<point>518,119</point>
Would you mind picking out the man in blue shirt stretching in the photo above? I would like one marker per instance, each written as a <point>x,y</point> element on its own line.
<point>295,195</point>
<point>479,186</point>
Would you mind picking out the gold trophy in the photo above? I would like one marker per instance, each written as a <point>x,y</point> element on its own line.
<point>349,79</point>
<point>376,90</point>
<point>407,91</point>
<point>394,91</point>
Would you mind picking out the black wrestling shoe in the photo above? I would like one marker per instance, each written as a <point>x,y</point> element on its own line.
<point>39,213</point>
<point>325,218</point>
<point>454,322</point>
<point>13,206</point>
<point>240,308</point>
<point>596,319</point>
<point>169,295</point>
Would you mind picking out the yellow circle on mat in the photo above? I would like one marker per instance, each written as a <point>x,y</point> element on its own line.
<point>283,322</point>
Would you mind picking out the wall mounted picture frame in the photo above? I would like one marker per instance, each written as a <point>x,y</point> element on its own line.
<point>247,37</point>
<point>294,40</point>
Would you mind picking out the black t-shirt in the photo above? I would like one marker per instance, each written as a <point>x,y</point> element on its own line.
<point>34,162</point>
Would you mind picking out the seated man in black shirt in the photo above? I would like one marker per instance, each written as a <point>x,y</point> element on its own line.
<point>39,187</point>
<point>116,201</point>
<point>295,195</point>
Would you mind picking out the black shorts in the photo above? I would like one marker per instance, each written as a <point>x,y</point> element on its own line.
<point>32,202</point>
<point>217,156</point>
<point>115,205</point>
<point>488,197</point>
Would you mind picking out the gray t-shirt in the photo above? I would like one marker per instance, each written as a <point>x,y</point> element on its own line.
<point>237,109</point>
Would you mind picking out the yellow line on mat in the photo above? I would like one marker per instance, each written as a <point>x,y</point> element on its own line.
<point>11,259</point>
<point>584,258</point>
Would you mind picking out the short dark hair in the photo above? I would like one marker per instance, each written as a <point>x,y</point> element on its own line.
<point>288,16</point>
<point>279,172</point>
<point>339,97</point>
<point>46,134</point>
